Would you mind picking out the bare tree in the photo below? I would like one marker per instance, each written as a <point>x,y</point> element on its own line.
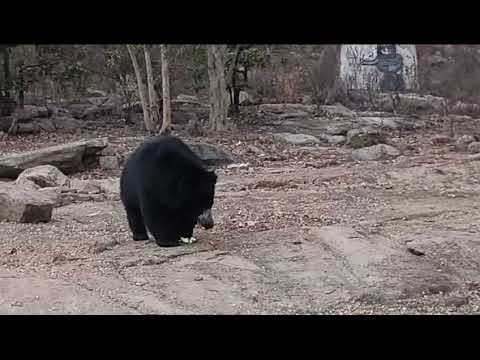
<point>152,96</point>
<point>141,91</point>
<point>337,87</point>
<point>232,88</point>
<point>167,114</point>
<point>218,87</point>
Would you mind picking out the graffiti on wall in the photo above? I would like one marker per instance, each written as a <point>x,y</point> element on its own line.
<point>382,68</point>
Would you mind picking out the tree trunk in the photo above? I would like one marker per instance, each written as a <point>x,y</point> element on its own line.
<point>218,87</point>
<point>21,86</point>
<point>141,91</point>
<point>167,113</point>
<point>336,88</point>
<point>232,80</point>
<point>152,96</point>
<point>6,71</point>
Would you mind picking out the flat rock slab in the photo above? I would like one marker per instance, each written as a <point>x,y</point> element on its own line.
<point>309,269</point>
<point>68,158</point>
<point>33,295</point>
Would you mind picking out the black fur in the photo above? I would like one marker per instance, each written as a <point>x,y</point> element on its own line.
<point>164,188</point>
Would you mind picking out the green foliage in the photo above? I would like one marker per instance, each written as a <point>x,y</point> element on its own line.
<point>197,63</point>
<point>249,57</point>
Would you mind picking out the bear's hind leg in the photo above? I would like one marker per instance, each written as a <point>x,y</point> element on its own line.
<point>137,226</point>
<point>162,228</point>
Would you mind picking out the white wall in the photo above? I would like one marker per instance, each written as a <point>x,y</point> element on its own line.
<point>358,76</point>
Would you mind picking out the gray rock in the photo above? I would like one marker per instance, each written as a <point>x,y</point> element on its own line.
<point>43,176</point>
<point>412,103</point>
<point>463,141</point>
<point>285,108</point>
<point>92,190</point>
<point>46,125</point>
<point>31,127</point>
<point>387,122</point>
<point>244,97</point>
<point>375,152</point>
<point>69,158</point>
<point>67,123</point>
<point>457,301</point>
<point>54,194</point>
<point>108,151</point>
<point>337,129</point>
<point>31,111</point>
<point>187,101</point>
<point>110,188</point>
<point>293,114</point>
<point>85,186</point>
<point>187,98</point>
<point>96,93</point>
<point>211,155</point>
<point>27,184</point>
<point>297,139</point>
<point>109,162</point>
<point>474,147</point>
<point>441,140</point>
<point>337,110</point>
<point>462,108</point>
<point>24,205</point>
<point>364,137</point>
<point>333,139</point>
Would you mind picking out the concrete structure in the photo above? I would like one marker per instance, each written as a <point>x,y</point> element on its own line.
<point>379,67</point>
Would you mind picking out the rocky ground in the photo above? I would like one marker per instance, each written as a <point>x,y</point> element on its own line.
<point>303,226</point>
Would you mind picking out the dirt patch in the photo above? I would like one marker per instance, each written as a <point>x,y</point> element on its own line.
<point>299,230</point>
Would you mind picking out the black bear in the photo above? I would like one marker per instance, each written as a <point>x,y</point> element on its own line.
<point>166,189</point>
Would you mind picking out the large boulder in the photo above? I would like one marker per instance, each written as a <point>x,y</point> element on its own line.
<point>211,155</point>
<point>69,158</point>
<point>19,204</point>
<point>43,176</point>
<point>364,137</point>
<point>376,152</point>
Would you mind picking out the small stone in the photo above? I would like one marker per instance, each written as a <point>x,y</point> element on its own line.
<point>109,162</point>
<point>108,151</point>
<point>364,137</point>
<point>237,166</point>
<point>441,140</point>
<point>376,152</point>
<point>457,301</point>
<point>198,278</point>
<point>474,147</point>
<point>297,139</point>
